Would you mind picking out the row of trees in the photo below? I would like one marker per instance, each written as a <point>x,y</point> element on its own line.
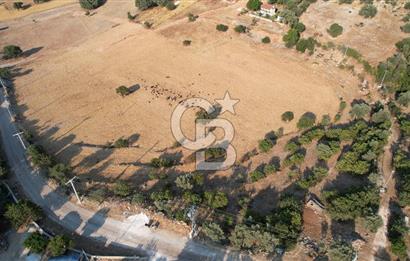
<point>56,246</point>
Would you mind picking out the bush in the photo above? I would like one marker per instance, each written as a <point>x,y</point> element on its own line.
<point>306,121</point>
<point>335,30</point>
<point>407,6</point>
<point>241,29</point>
<point>184,182</point>
<point>187,42</point>
<point>123,91</point>
<point>122,189</point>
<point>11,51</point>
<point>121,143</point>
<point>222,27</point>
<point>214,232</point>
<point>36,242</point>
<point>406,28</point>
<point>368,11</point>
<point>265,145</point>
<point>270,169</point>
<point>58,245</point>
<point>291,38</point>
<point>162,163</point>
<point>138,199</point>
<point>91,4</point>
<point>22,213</point>
<point>287,116</point>
<point>256,175</point>
<point>381,116</point>
<point>192,198</point>
<point>326,120</point>
<point>192,17</point>
<point>216,199</point>
<point>253,5</point>
<point>300,27</point>
<point>60,173</point>
<point>314,177</point>
<point>292,146</point>
<point>265,40</point>
<point>325,151</point>
<point>18,5</point>
<point>294,159</point>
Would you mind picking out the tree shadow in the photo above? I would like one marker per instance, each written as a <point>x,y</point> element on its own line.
<point>95,222</point>
<point>31,51</point>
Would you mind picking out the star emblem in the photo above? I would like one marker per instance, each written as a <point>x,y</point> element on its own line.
<point>227,103</point>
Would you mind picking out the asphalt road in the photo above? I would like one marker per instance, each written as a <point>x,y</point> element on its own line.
<point>159,245</point>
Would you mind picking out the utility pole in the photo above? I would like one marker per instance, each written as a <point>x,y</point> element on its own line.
<point>21,139</point>
<point>71,181</point>
<point>384,76</point>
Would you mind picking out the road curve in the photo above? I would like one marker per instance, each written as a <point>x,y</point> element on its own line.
<point>158,245</point>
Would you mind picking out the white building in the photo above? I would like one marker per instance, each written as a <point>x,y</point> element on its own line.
<point>268,10</point>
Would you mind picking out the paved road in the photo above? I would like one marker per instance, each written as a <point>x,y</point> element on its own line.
<point>159,245</point>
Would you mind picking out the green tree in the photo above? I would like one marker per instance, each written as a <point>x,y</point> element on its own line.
<point>304,44</point>
<point>306,121</point>
<point>368,11</point>
<point>121,143</point>
<point>122,189</point>
<point>341,251</point>
<point>381,116</point>
<point>405,28</point>
<point>36,242</point>
<point>256,175</point>
<point>360,110</point>
<point>335,30</point>
<point>287,116</point>
<point>241,29</point>
<point>265,40</point>
<point>11,51</point>
<point>373,222</point>
<point>5,73</point>
<point>404,99</point>
<point>39,157</point>
<point>58,245</point>
<point>22,213</point>
<point>222,27</point>
<point>265,145</point>
<point>184,182</point>
<point>252,238</point>
<point>90,4</point>
<point>253,5</point>
<point>213,231</point>
<point>123,91</point>
<point>291,38</point>
<point>60,172</point>
<point>216,199</point>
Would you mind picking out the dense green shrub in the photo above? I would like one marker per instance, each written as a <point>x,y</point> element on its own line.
<point>253,5</point>
<point>39,157</point>
<point>304,44</point>
<point>404,99</point>
<point>326,150</point>
<point>270,169</point>
<point>306,121</point>
<point>313,134</point>
<point>360,110</point>
<point>286,221</point>
<point>192,17</point>
<point>36,242</point>
<point>214,232</point>
<point>294,159</point>
<point>373,222</point>
<point>368,11</point>
<point>163,195</point>
<point>91,4</point>
<point>407,6</point>
<point>300,27</point>
<point>216,199</point>
<point>341,251</point>
<point>335,30</point>
<point>60,172</point>
<point>162,163</point>
<point>123,91</point>
<point>241,29</point>
<point>292,146</point>
<point>121,143</point>
<point>11,51</point>
<point>192,198</point>
<point>397,232</point>
<point>222,27</point>
<point>58,245</point>
<point>256,175</point>
<point>287,116</point>
<point>326,120</point>
<point>5,73</point>
<point>252,238</point>
<point>405,28</point>
<point>291,38</point>
<point>265,145</point>
<point>22,213</point>
<point>122,189</point>
<point>358,202</point>
<point>265,40</point>
<point>316,175</point>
